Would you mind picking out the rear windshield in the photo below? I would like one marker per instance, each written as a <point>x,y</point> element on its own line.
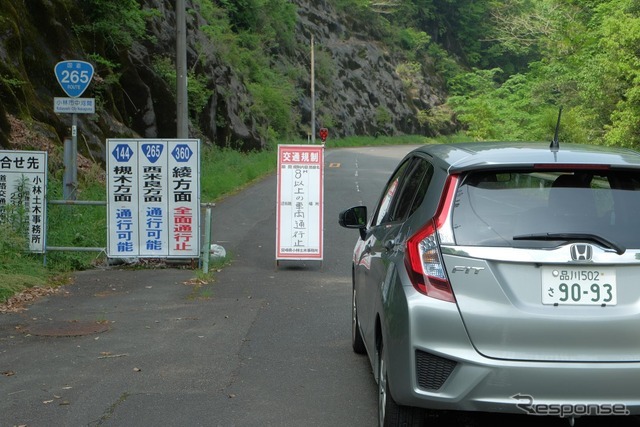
<point>502,209</point>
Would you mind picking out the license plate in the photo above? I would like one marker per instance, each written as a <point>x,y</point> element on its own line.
<point>579,286</point>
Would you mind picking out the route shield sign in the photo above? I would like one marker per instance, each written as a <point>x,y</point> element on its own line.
<point>182,153</point>
<point>122,153</point>
<point>74,76</point>
<point>152,151</point>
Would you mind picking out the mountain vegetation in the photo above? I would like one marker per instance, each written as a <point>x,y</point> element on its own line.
<point>509,65</point>
<point>581,55</point>
<point>495,69</point>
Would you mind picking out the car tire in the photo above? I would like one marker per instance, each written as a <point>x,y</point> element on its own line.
<point>389,412</point>
<point>357,343</point>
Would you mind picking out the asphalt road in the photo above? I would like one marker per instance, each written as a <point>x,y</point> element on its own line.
<point>263,345</point>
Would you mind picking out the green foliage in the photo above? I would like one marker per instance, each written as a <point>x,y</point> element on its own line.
<point>13,283</point>
<point>11,82</point>
<point>116,22</point>
<point>491,111</point>
<point>443,63</point>
<point>228,170</point>
<point>249,26</point>
<point>409,73</point>
<point>415,42</point>
<point>219,30</point>
<point>198,91</point>
<point>76,225</point>
<point>109,79</point>
<point>273,98</point>
<point>18,268</point>
<point>588,63</point>
<point>248,34</point>
<point>11,240</point>
<point>438,119</point>
<point>382,117</point>
<point>15,215</point>
<point>325,68</point>
<point>358,9</point>
<point>619,63</point>
<point>461,26</point>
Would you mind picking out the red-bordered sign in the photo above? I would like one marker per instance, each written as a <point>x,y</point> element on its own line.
<point>300,204</point>
<point>324,133</point>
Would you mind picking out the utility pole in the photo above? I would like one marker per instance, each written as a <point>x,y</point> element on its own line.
<point>313,97</point>
<point>182,105</point>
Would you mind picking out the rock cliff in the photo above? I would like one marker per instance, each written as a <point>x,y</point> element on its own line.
<point>358,88</point>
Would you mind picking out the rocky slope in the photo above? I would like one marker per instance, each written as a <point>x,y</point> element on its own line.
<point>360,91</point>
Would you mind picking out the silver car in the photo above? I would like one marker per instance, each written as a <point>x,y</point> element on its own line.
<point>501,277</point>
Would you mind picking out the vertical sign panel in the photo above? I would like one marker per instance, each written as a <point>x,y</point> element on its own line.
<point>23,188</point>
<point>299,222</point>
<point>153,198</point>
<point>184,198</point>
<point>122,202</point>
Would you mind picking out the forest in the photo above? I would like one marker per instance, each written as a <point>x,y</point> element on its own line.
<point>511,64</point>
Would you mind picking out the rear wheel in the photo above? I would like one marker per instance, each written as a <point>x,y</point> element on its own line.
<point>389,412</point>
<point>356,337</point>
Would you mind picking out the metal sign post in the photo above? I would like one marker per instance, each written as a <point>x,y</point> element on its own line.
<point>74,78</point>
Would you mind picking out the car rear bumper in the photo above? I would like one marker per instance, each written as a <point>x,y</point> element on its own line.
<point>436,366</point>
<point>535,388</point>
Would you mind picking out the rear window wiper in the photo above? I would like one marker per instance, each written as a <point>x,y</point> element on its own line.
<point>574,236</point>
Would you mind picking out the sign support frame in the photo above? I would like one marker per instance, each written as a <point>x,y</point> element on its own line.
<point>300,203</point>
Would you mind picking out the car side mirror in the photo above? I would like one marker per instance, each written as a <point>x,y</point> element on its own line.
<point>355,217</point>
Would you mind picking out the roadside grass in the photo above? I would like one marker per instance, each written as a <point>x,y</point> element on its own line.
<point>202,283</point>
<point>223,172</point>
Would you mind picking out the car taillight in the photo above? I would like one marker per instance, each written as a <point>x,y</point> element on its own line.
<point>423,259</point>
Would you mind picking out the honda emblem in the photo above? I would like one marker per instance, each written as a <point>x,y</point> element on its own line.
<point>581,252</point>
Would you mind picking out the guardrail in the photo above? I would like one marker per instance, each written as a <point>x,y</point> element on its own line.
<point>76,248</point>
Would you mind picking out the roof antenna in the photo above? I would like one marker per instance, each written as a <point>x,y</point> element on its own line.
<point>555,144</point>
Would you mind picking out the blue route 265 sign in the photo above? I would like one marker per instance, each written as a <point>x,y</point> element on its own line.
<point>152,151</point>
<point>74,76</point>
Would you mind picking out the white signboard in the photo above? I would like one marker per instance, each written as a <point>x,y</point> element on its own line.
<point>153,206</point>
<point>23,194</point>
<point>74,105</point>
<point>300,204</point>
